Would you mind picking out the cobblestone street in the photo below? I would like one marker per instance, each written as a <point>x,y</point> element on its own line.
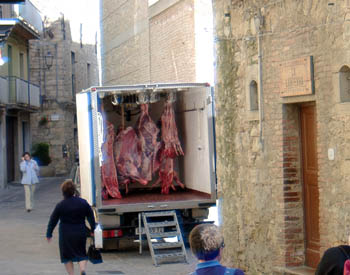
<point>26,251</point>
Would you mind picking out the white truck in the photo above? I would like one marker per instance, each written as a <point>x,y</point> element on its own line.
<point>193,105</point>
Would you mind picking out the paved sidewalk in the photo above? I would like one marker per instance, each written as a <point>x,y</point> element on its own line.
<point>24,249</point>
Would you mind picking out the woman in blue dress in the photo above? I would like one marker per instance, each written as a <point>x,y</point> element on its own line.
<point>71,212</point>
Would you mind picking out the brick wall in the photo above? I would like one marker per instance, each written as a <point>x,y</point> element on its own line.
<point>292,187</point>
<point>142,44</point>
<point>125,42</point>
<point>173,44</point>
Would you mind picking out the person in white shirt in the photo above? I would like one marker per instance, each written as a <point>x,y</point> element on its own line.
<point>30,170</point>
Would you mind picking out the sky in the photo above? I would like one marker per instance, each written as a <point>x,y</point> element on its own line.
<point>77,11</point>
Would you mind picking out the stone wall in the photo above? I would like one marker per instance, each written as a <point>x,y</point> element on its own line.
<point>58,96</point>
<point>259,169</point>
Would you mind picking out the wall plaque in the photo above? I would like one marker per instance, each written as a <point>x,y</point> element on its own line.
<point>296,77</point>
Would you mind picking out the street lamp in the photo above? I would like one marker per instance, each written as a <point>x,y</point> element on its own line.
<point>48,59</point>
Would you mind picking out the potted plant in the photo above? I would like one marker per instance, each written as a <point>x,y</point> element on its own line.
<point>43,121</point>
<point>40,152</point>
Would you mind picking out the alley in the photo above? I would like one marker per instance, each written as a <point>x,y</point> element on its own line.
<point>25,250</point>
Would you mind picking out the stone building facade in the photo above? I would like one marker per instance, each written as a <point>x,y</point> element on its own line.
<point>61,68</point>
<point>283,130</point>
<point>156,41</point>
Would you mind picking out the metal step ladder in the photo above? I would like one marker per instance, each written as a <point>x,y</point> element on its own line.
<point>161,225</point>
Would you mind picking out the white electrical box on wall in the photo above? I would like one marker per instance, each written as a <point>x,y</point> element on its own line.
<point>331,154</point>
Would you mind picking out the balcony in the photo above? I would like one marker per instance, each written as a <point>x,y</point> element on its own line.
<point>22,93</point>
<point>30,14</point>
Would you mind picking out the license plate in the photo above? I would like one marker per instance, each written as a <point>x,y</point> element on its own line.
<point>152,230</point>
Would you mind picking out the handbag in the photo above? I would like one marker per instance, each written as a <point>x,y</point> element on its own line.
<point>346,263</point>
<point>94,255</point>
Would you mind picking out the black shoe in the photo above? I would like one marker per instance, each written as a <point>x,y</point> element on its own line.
<point>28,210</point>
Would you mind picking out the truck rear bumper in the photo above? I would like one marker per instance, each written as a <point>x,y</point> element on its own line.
<point>142,207</point>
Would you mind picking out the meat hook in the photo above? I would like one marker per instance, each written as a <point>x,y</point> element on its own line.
<point>116,100</point>
<point>142,98</point>
<point>171,97</point>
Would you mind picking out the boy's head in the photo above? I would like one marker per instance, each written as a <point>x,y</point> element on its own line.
<point>206,241</point>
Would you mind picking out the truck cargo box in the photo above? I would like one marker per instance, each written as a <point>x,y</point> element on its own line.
<point>119,105</point>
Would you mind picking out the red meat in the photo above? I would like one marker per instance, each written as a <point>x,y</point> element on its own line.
<point>148,133</point>
<point>172,146</point>
<point>167,176</point>
<point>170,149</point>
<point>110,184</point>
<point>127,155</point>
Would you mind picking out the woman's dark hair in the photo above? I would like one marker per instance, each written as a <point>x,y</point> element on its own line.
<point>206,241</point>
<point>68,189</point>
<point>26,153</point>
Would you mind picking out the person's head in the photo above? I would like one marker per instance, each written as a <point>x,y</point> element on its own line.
<point>206,242</point>
<point>26,156</point>
<point>68,189</point>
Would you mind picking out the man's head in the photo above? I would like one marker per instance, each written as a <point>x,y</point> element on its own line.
<point>206,241</point>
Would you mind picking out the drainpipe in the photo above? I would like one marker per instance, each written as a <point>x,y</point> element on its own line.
<point>56,71</point>
<point>40,90</point>
<point>259,21</point>
<point>28,74</point>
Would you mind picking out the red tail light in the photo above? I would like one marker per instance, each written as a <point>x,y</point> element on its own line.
<point>112,233</point>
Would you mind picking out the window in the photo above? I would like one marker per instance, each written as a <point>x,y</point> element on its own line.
<point>25,136</point>
<point>344,84</point>
<point>12,11</point>
<point>21,65</point>
<point>1,12</point>
<point>88,75</point>
<point>73,74</point>
<point>253,94</point>
<point>10,65</point>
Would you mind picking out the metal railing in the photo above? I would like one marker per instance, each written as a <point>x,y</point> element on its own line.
<point>4,91</point>
<point>23,92</point>
<point>34,95</point>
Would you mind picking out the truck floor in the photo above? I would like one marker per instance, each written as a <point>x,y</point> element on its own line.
<point>152,196</point>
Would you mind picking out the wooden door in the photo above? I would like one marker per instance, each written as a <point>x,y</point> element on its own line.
<point>310,184</point>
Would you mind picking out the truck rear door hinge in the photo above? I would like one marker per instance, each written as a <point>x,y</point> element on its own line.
<point>209,99</point>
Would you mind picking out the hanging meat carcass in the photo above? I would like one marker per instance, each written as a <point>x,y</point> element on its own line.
<point>167,176</point>
<point>171,148</point>
<point>110,184</point>
<point>148,133</point>
<point>127,155</point>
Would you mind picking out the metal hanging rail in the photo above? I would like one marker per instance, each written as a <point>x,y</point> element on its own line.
<point>152,87</point>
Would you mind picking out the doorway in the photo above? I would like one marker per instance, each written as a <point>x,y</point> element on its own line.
<point>10,146</point>
<point>308,130</point>
<point>25,136</point>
